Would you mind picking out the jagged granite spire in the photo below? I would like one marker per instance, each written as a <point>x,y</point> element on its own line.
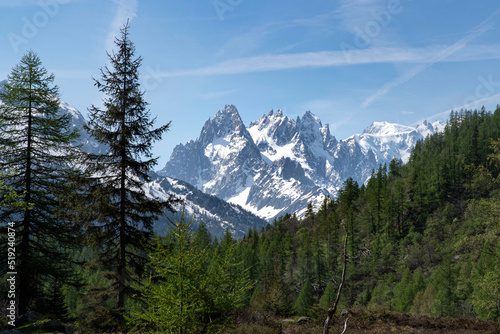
<point>278,164</point>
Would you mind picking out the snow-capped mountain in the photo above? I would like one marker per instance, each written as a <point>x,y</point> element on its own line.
<point>278,165</point>
<point>217,214</point>
<point>388,140</point>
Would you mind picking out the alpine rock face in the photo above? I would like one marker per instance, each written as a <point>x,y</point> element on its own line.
<point>278,165</point>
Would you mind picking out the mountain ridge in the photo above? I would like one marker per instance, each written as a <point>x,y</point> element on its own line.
<point>278,165</point>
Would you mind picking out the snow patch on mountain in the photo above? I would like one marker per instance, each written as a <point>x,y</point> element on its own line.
<point>278,165</point>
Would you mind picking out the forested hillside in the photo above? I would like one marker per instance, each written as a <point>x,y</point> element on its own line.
<point>423,237</point>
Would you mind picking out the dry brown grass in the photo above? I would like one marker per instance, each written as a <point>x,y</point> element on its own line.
<point>363,322</point>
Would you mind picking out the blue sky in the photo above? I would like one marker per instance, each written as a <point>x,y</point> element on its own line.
<point>351,62</point>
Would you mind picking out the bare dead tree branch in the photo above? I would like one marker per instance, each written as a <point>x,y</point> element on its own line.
<point>345,326</point>
<point>333,309</point>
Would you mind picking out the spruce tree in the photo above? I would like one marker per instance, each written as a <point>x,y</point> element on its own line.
<point>36,140</point>
<point>202,237</point>
<point>56,304</point>
<point>120,213</point>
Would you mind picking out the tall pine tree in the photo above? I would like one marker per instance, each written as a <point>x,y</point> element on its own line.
<point>36,141</point>
<point>120,212</point>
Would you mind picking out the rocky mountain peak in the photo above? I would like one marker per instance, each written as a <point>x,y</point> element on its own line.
<point>224,123</point>
<point>310,118</point>
<point>312,132</point>
<point>279,164</point>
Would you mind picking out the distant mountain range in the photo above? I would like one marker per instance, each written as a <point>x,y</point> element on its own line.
<point>278,165</point>
<point>239,177</point>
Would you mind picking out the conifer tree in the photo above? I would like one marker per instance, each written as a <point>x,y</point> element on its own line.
<point>182,295</point>
<point>36,141</point>
<point>328,296</point>
<point>121,214</point>
<point>56,305</point>
<point>347,196</point>
<point>305,299</point>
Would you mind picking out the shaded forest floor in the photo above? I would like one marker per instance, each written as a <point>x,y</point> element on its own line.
<point>361,321</point>
<point>364,322</point>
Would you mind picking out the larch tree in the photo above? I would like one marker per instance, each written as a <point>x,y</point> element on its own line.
<point>191,290</point>
<point>119,214</point>
<point>37,142</point>
<point>305,300</point>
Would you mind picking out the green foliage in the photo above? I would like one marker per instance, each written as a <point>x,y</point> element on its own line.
<point>305,299</point>
<point>328,296</point>
<point>274,296</point>
<point>117,213</point>
<point>9,198</point>
<point>97,311</point>
<point>486,296</point>
<point>56,304</point>
<point>190,289</point>
<point>36,142</point>
<point>407,289</point>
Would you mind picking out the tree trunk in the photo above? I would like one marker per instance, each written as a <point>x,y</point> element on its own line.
<point>333,309</point>
<point>24,293</point>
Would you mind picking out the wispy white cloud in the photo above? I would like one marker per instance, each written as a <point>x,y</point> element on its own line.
<point>247,42</point>
<point>478,104</point>
<point>490,101</point>
<point>354,14</point>
<point>127,9</point>
<point>323,20</point>
<point>337,125</point>
<point>439,57</point>
<point>264,63</point>
<point>259,36</point>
